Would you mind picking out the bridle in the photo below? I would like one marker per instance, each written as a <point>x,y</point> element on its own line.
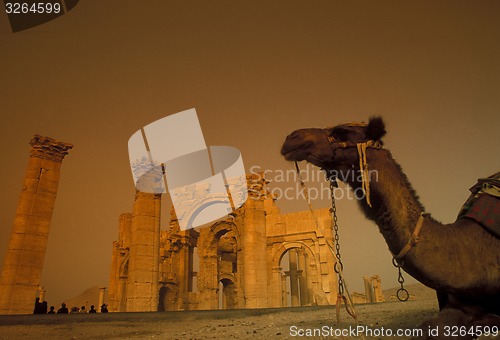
<point>363,166</point>
<point>361,147</point>
<point>402,293</point>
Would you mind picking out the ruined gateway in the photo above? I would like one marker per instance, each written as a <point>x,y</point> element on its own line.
<point>255,258</point>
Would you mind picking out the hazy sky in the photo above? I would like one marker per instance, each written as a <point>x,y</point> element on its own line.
<point>254,71</point>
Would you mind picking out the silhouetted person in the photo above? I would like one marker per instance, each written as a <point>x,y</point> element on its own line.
<point>63,309</point>
<point>82,310</point>
<point>52,310</point>
<point>104,308</point>
<point>74,309</point>
<point>38,306</point>
<point>44,307</point>
<point>92,309</point>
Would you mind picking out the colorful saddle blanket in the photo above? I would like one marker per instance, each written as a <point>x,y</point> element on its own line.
<point>483,206</point>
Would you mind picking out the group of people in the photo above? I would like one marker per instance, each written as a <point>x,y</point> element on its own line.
<point>41,308</point>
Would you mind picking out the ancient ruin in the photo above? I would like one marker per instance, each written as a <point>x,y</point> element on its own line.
<point>255,258</point>
<point>373,291</point>
<point>22,268</point>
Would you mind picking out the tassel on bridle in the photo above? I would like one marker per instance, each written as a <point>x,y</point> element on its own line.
<point>363,164</point>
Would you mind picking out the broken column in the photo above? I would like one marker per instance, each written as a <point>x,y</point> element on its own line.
<point>143,266</point>
<point>23,263</point>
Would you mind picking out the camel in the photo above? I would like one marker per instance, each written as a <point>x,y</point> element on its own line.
<point>460,260</point>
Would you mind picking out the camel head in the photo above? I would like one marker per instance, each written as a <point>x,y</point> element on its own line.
<point>333,148</point>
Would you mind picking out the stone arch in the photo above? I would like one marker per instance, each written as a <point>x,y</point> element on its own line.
<point>290,245</point>
<point>203,204</point>
<point>167,297</point>
<point>227,292</point>
<point>301,280</point>
<point>217,230</point>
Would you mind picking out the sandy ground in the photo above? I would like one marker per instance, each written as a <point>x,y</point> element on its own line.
<point>380,319</point>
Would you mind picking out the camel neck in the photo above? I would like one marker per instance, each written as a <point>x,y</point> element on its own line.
<point>395,206</point>
<point>396,209</point>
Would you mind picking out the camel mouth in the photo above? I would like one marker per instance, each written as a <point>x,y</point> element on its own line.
<point>292,156</point>
<point>293,153</point>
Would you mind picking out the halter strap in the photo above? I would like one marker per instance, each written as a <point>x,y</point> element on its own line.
<point>413,240</point>
<point>363,164</point>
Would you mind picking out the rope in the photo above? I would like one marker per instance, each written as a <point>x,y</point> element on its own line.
<point>363,168</point>
<point>306,196</point>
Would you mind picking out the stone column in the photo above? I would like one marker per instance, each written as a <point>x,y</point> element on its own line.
<point>23,263</point>
<point>113,298</point>
<point>183,272</point>
<point>143,266</point>
<point>254,245</point>
<point>41,294</point>
<point>276,293</point>
<point>284,292</point>
<point>294,275</point>
<point>102,294</point>
<point>368,289</point>
<point>304,294</point>
<point>378,296</point>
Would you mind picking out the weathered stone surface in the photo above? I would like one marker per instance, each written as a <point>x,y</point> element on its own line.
<point>23,262</point>
<point>143,260</point>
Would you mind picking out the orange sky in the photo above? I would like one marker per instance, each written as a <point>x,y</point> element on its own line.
<point>254,71</point>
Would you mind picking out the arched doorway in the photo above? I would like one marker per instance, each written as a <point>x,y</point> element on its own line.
<point>227,294</point>
<point>219,267</point>
<point>167,299</point>
<point>295,283</point>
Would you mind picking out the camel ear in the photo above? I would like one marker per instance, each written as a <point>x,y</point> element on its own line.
<point>376,128</point>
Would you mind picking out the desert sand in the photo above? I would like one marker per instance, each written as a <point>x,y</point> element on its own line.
<point>378,320</point>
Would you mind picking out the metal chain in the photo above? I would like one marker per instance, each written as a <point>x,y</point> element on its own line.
<point>402,294</point>
<point>338,267</point>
